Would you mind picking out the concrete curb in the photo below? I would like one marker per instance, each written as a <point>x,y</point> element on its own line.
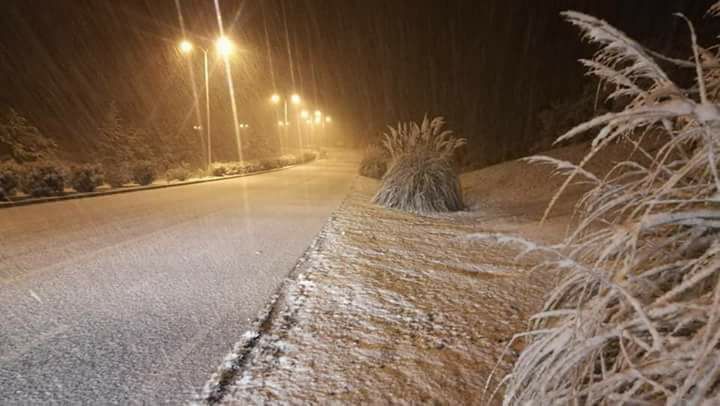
<point>27,202</point>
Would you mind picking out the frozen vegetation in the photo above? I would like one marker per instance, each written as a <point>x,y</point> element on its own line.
<point>635,318</point>
<point>421,177</point>
<point>391,306</point>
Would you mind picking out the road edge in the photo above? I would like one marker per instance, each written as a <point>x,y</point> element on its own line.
<point>215,388</point>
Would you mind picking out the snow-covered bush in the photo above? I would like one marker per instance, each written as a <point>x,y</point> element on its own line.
<point>269,163</point>
<point>243,167</point>
<point>86,178</point>
<point>375,162</point>
<point>636,319</point>
<point>421,177</point>
<point>233,168</point>
<point>218,169</point>
<point>143,172</point>
<point>117,175</point>
<point>288,159</point>
<point>308,155</point>
<point>10,174</point>
<point>180,173</point>
<point>22,141</point>
<point>41,179</point>
<point>427,138</point>
<point>421,183</point>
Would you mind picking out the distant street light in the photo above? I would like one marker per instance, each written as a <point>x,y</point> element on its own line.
<point>224,47</point>
<point>304,114</point>
<point>186,46</point>
<point>328,119</point>
<point>294,99</point>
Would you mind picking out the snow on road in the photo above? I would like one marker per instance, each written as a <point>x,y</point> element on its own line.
<point>134,298</point>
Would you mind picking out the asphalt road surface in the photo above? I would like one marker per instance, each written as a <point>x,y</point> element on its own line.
<point>137,297</point>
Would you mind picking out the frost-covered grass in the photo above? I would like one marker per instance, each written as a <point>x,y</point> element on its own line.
<point>421,177</point>
<point>387,299</point>
<point>375,162</point>
<point>421,183</point>
<point>636,319</point>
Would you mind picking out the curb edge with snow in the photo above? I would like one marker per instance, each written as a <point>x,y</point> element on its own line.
<point>215,388</point>
<point>115,191</point>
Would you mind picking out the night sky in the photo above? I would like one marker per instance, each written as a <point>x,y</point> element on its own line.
<point>488,66</point>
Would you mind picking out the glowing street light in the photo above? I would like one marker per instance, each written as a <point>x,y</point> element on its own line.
<point>224,47</point>
<point>318,113</point>
<point>294,99</point>
<point>185,47</point>
<point>304,114</point>
<point>328,119</point>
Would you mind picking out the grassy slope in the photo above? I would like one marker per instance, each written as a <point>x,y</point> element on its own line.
<point>391,306</point>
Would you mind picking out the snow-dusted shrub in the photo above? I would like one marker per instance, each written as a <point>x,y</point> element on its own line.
<point>427,138</point>
<point>421,183</point>
<point>41,179</point>
<point>117,175</point>
<point>636,319</point>
<point>86,178</point>
<point>308,155</point>
<point>143,172</point>
<point>179,173</point>
<point>421,177</point>
<point>375,162</point>
<point>373,168</point>
<point>234,168</point>
<point>218,169</point>
<point>288,159</point>
<point>22,140</point>
<point>269,163</point>
<point>10,174</point>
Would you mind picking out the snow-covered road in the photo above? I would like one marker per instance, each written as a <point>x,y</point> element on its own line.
<point>135,298</point>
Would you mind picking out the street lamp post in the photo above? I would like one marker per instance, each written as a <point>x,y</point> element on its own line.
<point>294,99</point>
<point>224,47</point>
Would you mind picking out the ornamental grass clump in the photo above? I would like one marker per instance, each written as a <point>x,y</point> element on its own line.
<point>375,162</point>
<point>421,177</point>
<point>636,319</point>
